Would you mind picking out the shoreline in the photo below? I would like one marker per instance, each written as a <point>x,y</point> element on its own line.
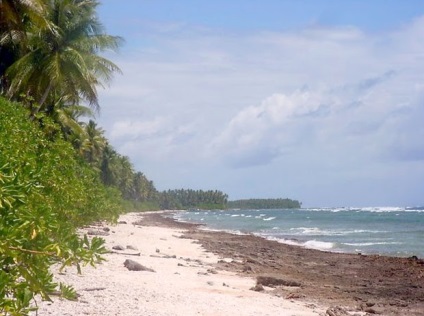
<point>380,284</point>
<point>355,240</point>
<point>298,243</point>
<point>200,272</point>
<point>181,278</point>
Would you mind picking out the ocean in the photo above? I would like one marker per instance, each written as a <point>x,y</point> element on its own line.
<point>392,231</point>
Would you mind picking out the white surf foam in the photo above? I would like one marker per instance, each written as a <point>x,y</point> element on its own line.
<point>319,245</point>
<point>367,244</point>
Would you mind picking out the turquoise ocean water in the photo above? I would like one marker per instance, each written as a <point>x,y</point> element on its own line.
<point>390,231</point>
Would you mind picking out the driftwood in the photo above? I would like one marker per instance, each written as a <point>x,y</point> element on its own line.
<point>164,256</point>
<point>94,289</point>
<point>125,253</point>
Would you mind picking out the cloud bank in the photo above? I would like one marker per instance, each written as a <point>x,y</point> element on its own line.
<point>334,113</point>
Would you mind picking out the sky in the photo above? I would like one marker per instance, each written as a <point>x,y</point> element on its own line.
<point>321,101</point>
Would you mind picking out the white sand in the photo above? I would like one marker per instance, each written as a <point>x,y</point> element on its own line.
<point>172,289</point>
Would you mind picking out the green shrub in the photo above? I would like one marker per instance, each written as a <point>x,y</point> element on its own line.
<point>46,193</point>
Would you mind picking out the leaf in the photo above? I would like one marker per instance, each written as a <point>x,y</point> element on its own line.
<point>33,234</point>
<point>68,292</point>
<point>86,242</point>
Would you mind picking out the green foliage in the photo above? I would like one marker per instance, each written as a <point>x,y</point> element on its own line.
<point>59,59</point>
<point>264,204</point>
<point>46,193</point>
<point>135,206</point>
<point>187,199</point>
<point>49,59</point>
<point>56,173</point>
<point>117,171</point>
<point>67,292</point>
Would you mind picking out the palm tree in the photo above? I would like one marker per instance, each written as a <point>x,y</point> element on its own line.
<point>117,170</point>
<point>143,189</point>
<point>67,116</point>
<point>63,59</point>
<point>125,176</point>
<point>107,173</point>
<point>93,145</point>
<point>15,13</point>
<point>15,18</point>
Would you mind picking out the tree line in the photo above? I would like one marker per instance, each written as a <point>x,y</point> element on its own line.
<point>58,171</point>
<point>264,204</point>
<point>189,199</point>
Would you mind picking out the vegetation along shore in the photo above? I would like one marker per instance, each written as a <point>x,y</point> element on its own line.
<point>60,177</point>
<point>58,171</point>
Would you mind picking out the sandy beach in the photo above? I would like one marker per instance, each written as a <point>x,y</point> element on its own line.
<point>198,272</point>
<point>185,280</point>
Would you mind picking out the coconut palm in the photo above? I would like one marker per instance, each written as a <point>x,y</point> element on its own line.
<point>125,175</point>
<point>93,145</point>
<point>143,188</point>
<point>15,13</point>
<point>117,170</point>
<point>63,59</point>
<point>15,18</point>
<point>68,117</point>
<point>107,174</point>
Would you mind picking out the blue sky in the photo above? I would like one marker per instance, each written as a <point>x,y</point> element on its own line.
<point>320,101</point>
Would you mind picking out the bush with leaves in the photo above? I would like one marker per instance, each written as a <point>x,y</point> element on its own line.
<point>46,193</point>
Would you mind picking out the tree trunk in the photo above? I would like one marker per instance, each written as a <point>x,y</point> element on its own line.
<point>43,98</point>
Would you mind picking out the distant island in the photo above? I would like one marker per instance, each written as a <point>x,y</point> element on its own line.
<point>263,204</point>
<point>214,199</point>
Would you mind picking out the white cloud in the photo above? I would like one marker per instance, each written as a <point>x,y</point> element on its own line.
<point>133,129</point>
<point>264,131</point>
<point>337,102</point>
<point>343,120</point>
